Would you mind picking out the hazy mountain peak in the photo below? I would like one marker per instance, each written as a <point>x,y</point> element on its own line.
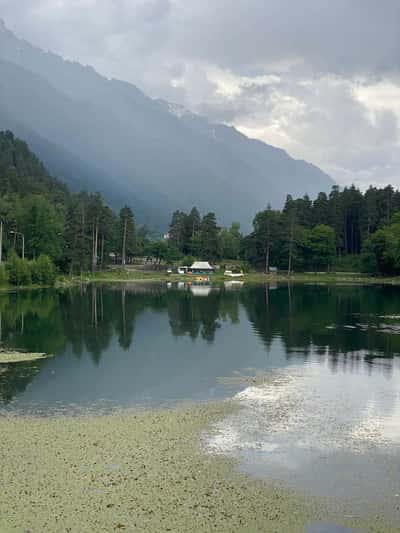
<point>175,109</point>
<point>156,155</point>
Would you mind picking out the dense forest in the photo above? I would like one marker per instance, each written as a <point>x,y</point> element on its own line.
<point>41,219</point>
<point>346,228</point>
<point>45,228</point>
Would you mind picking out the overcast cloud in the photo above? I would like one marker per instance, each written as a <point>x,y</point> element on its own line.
<point>319,78</point>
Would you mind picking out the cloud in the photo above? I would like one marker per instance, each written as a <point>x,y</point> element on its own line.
<point>316,77</point>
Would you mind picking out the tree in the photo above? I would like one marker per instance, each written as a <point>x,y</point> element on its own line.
<point>77,241</point>
<point>192,224</point>
<point>381,251</point>
<point>268,230</point>
<point>159,250</point>
<point>42,226</point>
<point>43,271</point>
<point>335,217</point>
<point>208,238</point>
<point>320,210</point>
<point>94,212</point>
<point>142,239</point>
<point>290,221</point>
<point>107,234</point>
<point>18,270</point>
<point>126,233</point>
<point>177,229</point>
<point>319,246</point>
<point>230,241</point>
<point>353,212</point>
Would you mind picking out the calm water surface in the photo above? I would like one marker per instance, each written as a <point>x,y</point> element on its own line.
<point>324,413</point>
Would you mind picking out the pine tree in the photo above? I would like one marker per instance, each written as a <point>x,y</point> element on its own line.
<point>208,238</point>
<point>192,223</point>
<point>126,233</point>
<point>177,229</point>
<point>268,229</point>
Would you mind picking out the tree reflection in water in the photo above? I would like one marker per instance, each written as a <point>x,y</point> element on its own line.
<point>347,324</point>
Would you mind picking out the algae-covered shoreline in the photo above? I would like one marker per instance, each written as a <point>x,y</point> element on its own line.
<point>142,471</point>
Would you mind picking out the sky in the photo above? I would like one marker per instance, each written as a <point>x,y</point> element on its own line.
<point>318,78</point>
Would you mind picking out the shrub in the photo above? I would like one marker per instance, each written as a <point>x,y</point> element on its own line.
<point>19,272</point>
<point>347,263</point>
<point>3,275</point>
<point>43,270</point>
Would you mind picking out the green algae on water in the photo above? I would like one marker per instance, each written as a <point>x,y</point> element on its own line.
<point>134,471</point>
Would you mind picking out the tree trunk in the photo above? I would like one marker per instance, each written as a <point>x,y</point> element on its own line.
<point>102,253</point>
<point>95,247</point>
<point>267,258</point>
<point>291,242</point>
<point>124,242</point>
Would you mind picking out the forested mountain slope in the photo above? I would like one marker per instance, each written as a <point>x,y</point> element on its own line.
<point>23,174</point>
<point>148,153</point>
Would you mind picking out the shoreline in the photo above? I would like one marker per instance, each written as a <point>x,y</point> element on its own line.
<point>216,279</point>
<point>142,471</point>
<point>250,278</point>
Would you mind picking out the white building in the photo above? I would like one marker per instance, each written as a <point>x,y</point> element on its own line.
<point>201,267</point>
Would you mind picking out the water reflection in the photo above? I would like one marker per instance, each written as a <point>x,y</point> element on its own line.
<point>330,402</point>
<point>336,435</point>
<point>229,328</point>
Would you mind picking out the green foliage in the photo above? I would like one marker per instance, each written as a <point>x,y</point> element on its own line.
<point>142,239</point>
<point>3,275</point>
<point>157,249</point>
<point>19,271</point>
<point>79,232</point>
<point>319,246</point>
<point>347,263</point>
<point>188,260</point>
<point>126,233</point>
<point>23,174</point>
<point>43,271</point>
<point>229,241</point>
<point>42,226</point>
<point>381,251</point>
<point>265,244</point>
<point>313,235</point>
<point>173,255</point>
<point>177,230</point>
<point>202,238</point>
<point>208,238</point>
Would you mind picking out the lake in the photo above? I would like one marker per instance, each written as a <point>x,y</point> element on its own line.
<point>315,369</point>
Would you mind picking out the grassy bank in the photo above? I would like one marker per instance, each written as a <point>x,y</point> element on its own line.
<point>137,472</point>
<point>251,277</point>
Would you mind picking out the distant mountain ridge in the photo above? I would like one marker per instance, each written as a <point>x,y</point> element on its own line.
<point>107,135</point>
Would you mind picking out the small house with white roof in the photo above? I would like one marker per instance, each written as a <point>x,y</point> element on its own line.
<point>201,267</point>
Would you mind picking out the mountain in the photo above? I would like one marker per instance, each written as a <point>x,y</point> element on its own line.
<point>23,174</point>
<point>107,135</point>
